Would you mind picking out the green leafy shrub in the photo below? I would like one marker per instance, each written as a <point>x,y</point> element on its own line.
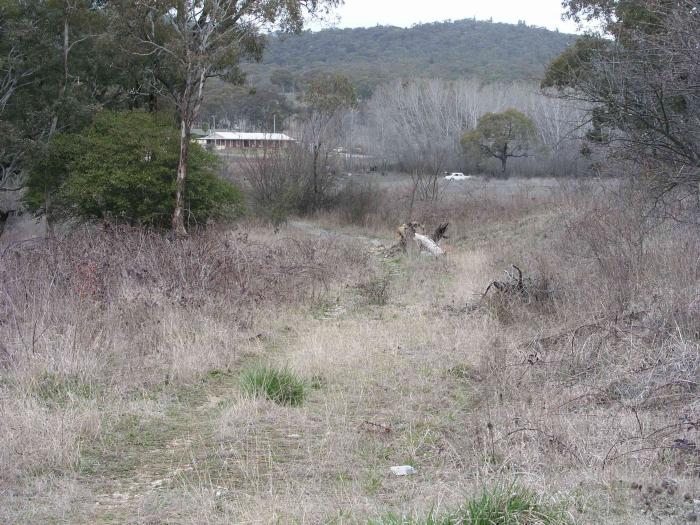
<point>281,386</point>
<point>509,134</point>
<point>123,169</point>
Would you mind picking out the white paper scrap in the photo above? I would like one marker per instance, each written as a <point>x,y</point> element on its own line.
<point>403,470</point>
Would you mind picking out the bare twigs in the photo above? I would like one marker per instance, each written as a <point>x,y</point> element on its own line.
<point>512,285</point>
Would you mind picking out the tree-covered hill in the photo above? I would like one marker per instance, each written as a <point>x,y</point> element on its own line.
<point>465,48</point>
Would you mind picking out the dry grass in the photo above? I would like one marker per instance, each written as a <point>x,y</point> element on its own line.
<point>122,354</point>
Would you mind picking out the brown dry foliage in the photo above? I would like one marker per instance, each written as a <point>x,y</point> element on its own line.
<point>585,388</point>
<point>109,284</point>
<point>610,361</point>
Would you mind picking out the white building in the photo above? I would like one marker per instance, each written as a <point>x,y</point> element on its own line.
<point>221,140</point>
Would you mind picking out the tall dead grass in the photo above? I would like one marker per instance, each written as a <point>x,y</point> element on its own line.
<point>377,207</point>
<point>89,321</point>
<point>604,374</point>
<point>595,369</point>
<point>582,388</point>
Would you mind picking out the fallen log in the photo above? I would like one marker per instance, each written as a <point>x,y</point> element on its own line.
<point>411,236</point>
<point>426,243</point>
<point>439,232</point>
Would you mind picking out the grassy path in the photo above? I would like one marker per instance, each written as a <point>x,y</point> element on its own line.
<point>142,456</point>
<point>145,461</point>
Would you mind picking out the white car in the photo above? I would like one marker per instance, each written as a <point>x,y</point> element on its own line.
<point>457,176</point>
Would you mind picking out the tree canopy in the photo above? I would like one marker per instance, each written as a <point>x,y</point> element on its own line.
<point>191,41</point>
<point>509,134</point>
<point>448,50</point>
<point>62,61</point>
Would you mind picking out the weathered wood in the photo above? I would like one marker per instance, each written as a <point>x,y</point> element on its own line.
<point>411,235</point>
<point>439,232</point>
<point>426,243</point>
<point>513,285</point>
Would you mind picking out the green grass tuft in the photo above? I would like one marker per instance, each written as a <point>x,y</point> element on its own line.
<point>510,505</point>
<point>280,386</point>
<point>60,390</point>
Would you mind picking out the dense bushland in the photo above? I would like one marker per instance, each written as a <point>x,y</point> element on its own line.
<point>371,56</point>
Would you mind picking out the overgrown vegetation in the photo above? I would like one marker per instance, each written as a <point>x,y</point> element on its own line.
<point>580,383</point>
<point>123,169</point>
<point>63,61</point>
<point>639,79</point>
<point>254,374</point>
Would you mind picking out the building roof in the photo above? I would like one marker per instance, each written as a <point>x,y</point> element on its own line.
<point>234,135</point>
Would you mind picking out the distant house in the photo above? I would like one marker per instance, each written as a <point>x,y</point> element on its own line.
<point>221,140</point>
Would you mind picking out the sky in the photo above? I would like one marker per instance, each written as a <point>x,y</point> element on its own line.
<point>404,13</point>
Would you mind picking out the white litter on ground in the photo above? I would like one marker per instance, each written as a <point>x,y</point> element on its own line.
<point>403,470</point>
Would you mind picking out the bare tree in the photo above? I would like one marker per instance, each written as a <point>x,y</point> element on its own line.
<point>641,85</point>
<point>279,181</point>
<point>418,125</point>
<point>419,130</point>
<point>327,97</point>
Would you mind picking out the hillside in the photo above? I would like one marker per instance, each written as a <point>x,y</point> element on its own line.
<point>465,48</point>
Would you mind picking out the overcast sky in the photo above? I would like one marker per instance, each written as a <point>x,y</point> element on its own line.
<point>404,13</point>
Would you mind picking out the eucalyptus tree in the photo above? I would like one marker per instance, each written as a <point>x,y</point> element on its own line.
<point>505,135</point>
<point>191,41</point>
<point>49,76</point>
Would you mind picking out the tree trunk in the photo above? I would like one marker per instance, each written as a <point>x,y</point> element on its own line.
<point>428,244</point>
<point>64,87</point>
<point>179,213</point>
<point>504,158</point>
<point>435,189</point>
<point>409,217</point>
<point>4,215</point>
<point>189,107</point>
<point>50,231</point>
<point>317,150</point>
<point>152,100</point>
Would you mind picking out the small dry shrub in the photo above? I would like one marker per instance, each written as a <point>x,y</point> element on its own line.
<point>502,306</point>
<point>358,203</point>
<point>376,290</point>
<point>280,182</point>
<point>520,296</point>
